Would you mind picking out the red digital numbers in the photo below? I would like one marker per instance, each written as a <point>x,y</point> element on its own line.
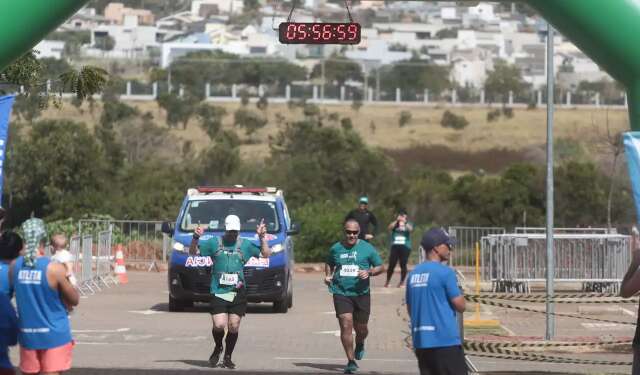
<point>319,33</point>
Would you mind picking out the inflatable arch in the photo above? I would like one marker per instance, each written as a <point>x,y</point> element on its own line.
<point>608,31</point>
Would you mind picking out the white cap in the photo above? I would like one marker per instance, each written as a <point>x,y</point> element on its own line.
<point>232,222</point>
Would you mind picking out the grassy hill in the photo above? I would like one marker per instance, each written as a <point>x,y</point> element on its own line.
<point>501,140</point>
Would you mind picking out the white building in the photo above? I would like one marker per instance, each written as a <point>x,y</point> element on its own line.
<point>131,40</point>
<point>470,67</point>
<point>205,8</point>
<point>50,49</point>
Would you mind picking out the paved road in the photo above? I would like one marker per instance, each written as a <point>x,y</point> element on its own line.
<point>128,330</point>
<point>129,326</point>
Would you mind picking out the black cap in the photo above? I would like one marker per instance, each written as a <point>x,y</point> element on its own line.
<point>434,237</point>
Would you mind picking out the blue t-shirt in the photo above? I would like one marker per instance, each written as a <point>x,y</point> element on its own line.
<point>8,330</point>
<point>430,288</point>
<point>5,287</point>
<point>44,323</point>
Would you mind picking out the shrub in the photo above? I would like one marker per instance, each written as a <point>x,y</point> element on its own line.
<point>507,112</point>
<point>346,123</point>
<point>493,115</point>
<point>451,120</point>
<point>404,118</point>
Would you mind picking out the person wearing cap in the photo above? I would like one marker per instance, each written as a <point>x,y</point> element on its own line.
<point>229,297</point>
<point>349,265</point>
<point>401,229</point>
<point>433,298</point>
<point>43,293</point>
<point>365,218</point>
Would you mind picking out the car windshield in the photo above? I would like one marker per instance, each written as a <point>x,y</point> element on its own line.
<point>211,214</point>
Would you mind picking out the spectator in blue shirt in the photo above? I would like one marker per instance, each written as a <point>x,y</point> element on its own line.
<point>433,297</point>
<point>10,246</point>
<point>8,334</point>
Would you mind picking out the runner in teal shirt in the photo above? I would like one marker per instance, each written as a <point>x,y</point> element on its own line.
<point>401,229</point>
<point>229,296</point>
<point>348,267</point>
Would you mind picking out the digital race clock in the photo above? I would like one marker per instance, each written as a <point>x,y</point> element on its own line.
<point>319,33</point>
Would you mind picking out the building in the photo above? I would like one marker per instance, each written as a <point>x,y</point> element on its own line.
<point>130,40</point>
<point>50,49</point>
<point>207,8</point>
<point>117,12</point>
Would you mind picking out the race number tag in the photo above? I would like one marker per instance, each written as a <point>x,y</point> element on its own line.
<point>349,270</point>
<point>229,279</point>
<point>399,240</point>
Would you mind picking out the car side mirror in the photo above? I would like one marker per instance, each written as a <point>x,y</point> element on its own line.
<point>294,229</point>
<point>167,227</point>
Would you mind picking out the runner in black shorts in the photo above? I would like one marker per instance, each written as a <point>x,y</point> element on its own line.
<point>349,265</point>
<point>229,296</point>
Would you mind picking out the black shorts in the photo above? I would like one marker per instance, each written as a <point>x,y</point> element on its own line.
<point>359,306</point>
<point>448,360</point>
<point>238,306</point>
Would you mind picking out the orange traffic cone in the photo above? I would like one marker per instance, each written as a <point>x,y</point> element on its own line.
<point>120,270</point>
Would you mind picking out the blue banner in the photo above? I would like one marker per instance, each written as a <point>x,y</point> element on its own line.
<point>632,150</point>
<point>6,102</point>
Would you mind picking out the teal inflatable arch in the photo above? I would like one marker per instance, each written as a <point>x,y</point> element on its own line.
<point>608,31</point>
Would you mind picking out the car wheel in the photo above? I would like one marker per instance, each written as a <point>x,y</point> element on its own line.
<point>281,306</point>
<point>290,293</point>
<point>175,305</point>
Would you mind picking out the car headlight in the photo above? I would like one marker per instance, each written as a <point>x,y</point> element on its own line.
<point>277,248</point>
<point>178,246</point>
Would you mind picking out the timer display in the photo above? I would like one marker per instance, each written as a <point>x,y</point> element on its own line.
<point>319,33</point>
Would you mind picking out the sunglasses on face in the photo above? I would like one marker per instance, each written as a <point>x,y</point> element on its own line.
<point>351,232</point>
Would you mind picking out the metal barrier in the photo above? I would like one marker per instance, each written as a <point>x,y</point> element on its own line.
<point>87,265</point>
<point>466,239</point>
<point>143,241</point>
<point>512,261</point>
<point>104,259</point>
<point>565,230</point>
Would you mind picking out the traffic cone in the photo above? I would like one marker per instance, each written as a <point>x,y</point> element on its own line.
<point>120,270</point>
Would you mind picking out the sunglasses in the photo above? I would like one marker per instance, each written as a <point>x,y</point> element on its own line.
<point>352,232</point>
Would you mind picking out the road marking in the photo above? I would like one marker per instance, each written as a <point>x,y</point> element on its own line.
<point>510,332</point>
<point>604,326</point>
<point>329,313</point>
<point>137,337</point>
<point>94,337</point>
<point>335,333</point>
<point>105,343</point>
<point>147,312</point>
<point>341,359</point>
<point>195,338</point>
<point>628,312</point>
<point>101,330</point>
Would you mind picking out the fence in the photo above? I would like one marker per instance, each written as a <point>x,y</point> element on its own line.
<point>92,263</point>
<point>565,230</point>
<point>512,261</point>
<point>466,239</point>
<point>143,241</point>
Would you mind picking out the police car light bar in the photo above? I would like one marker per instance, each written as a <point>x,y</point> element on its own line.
<point>219,189</point>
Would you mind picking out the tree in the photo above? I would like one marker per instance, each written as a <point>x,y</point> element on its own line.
<point>179,110</point>
<point>249,120</point>
<point>86,82</point>
<point>218,162</point>
<point>504,78</point>
<point>338,70</point>
<point>56,171</point>
<point>211,119</point>
<point>415,75</point>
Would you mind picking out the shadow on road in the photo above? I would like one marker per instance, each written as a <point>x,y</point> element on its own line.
<point>252,308</point>
<point>320,366</point>
<point>190,362</point>
<point>95,371</point>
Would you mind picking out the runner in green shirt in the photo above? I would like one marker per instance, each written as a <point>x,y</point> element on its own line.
<point>401,229</point>
<point>229,301</point>
<point>348,267</point>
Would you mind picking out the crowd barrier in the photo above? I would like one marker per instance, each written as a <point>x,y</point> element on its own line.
<point>93,261</point>
<point>511,262</point>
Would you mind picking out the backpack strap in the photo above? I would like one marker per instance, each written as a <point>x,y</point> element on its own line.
<point>238,248</point>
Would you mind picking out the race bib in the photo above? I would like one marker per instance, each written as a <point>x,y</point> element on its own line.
<point>229,279</point>
<point>399,240</point>
<point>349,270</point>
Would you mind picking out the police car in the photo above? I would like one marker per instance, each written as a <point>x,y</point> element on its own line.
<point>266,279</point>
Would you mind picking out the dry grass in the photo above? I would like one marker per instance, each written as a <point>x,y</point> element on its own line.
<point>525,130</point>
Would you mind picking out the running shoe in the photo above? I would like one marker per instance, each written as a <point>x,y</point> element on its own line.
<point>359,351</point>
<point>351,368</point>
<point>215,356</point>
<point>226,363</point>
